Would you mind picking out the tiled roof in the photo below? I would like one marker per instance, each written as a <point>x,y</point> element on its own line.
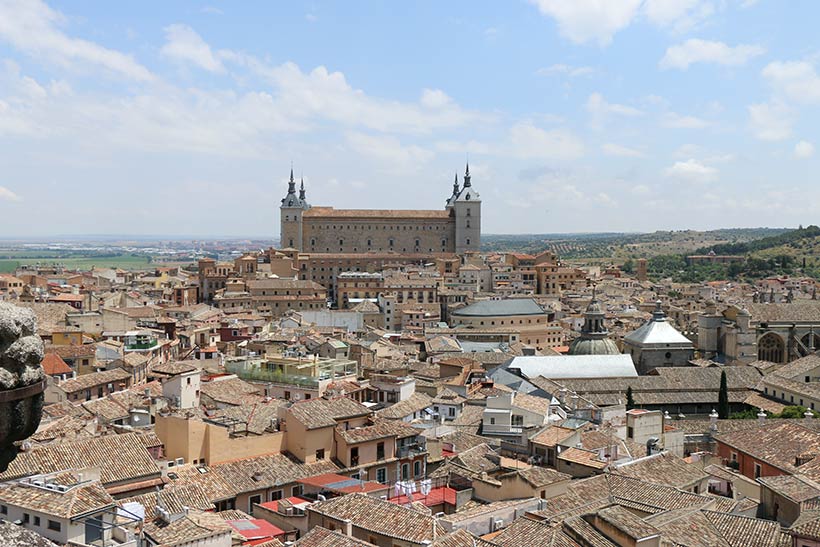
<point>330,212</point>
<point>93,379</point>
<point>195,526</point>
<point>317,413</point>
<point>79,500</point>
<point>174,498</point>
<point>232,391</point>
<point>461,538</point>
<point>174,367</point>
<point>250,474</point>
<point>664,468</point>
<point>596,492</point>
<point>579,456</point>
<point>794,487</point>
<point>379,516</point>
<point>776,444</point>
<point>17,536</point>
<point>322,537</point>
<point>53,365</point>
<point>806,310</point>
<point>525,532</point>
<point>121,458</point>
<point>416,402</point>
<point>541,476</point>
<point>381,429</point>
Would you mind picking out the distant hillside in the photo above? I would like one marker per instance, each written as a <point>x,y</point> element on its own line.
<point>623,246</point>
<point>802,238</point>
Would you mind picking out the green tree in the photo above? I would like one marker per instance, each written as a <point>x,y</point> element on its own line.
<point>795,411</point>
<point>630,399</point>
<point>723,397</point>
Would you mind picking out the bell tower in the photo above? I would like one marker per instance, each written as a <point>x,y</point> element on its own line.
<point>290,215</point>
<point>467,209</point>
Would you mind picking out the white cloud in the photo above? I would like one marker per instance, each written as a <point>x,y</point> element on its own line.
<point>796,80</point>
<point>590,20</point>
<point>31,26</point>
<point>183,44</point>
<point>679,15</point>
<point>600,110</point>
<point>771,121</point>
<point>571,71</point>
<point>527,141</point>
<point>707,51</point>
<point>327,95</point>
<point>584,21</point>
<point>8,195</point>
<point>212,10</point>
<point>678,121</point>
<point>803,149</point>
<point>388,150</point>
<point>611,149</point>
<point>434,98</point>
<point>692,171</point>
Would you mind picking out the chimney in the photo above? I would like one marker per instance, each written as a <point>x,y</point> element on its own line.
<point>713,418</point>
<point>185,509</point>
<point>348,527</point>
<point>761,418</point>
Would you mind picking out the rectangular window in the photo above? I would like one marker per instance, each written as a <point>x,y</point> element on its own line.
<point>276,495</point>
<point>252,501</point>
<point>54,525</point>
<point>26,518</point>
<point>36,521</point>
<point>4,510</point>
<point>320,454</point>
<point>757,470</point>
<point>381,475</point>
<point>380,451</point>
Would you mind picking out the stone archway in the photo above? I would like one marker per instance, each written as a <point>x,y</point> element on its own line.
<point>771,347</point>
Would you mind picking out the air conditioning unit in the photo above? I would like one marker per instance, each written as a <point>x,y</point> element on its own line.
<point>62,488</point>
<point>497,524</point>
<point>383,498</point>
<point>180,461</point>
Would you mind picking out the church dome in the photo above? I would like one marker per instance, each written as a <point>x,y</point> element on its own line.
<point>593,346</point>
<point>594,338</point>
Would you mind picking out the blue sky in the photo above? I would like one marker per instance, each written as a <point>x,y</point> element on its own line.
<point>591,115</point>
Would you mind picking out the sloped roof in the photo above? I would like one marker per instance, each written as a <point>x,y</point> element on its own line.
<point>574,366</point>
<point>495,308</point>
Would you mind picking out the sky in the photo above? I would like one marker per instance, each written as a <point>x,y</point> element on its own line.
<point>184,118</point>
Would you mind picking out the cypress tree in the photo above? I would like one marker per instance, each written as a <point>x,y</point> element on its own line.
<point>723,397</point>
<point>630,400</point>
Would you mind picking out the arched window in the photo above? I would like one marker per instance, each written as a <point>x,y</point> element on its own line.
<point>770,347</point>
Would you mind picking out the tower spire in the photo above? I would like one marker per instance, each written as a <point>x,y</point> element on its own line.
<point>455,185</point>
<point>302,189</point>
<point>291,182</point>
<point>467,183</point>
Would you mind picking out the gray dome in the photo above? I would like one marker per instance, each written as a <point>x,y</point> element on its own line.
<point>593,346</point>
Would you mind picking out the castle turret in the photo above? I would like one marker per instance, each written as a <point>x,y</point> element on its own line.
<point>467,210</point>
<point>293,205</point>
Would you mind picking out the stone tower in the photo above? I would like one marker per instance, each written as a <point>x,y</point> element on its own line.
<point>290,215</point>
<point>467,211</point>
